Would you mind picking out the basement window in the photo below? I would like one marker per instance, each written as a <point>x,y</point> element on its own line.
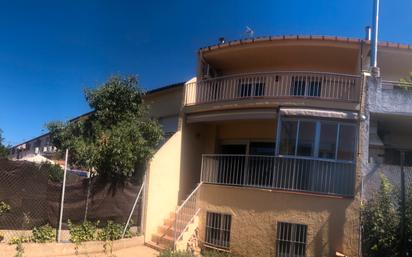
<point>291,240</point>
<point>218,229</point>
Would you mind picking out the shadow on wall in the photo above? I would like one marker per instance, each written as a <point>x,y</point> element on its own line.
<point>331,221</point>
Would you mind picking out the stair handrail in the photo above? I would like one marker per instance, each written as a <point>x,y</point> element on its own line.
<point>177,212</point>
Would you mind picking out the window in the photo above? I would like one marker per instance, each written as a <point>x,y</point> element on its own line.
<point>291,240</point>
<point>306,86</point>
<point>346,142</point>
<point>322,139</point>
<point>218,229</point>
<point>248,89</point>
<point>306,138</point>
<point>327,142</point>
<point>393,157</point>
<point>288,137</point>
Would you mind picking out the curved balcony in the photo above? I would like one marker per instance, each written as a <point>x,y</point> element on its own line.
<point>274,85</point>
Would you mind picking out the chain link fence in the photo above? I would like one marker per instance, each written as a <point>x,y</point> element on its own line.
<point>30,196</point>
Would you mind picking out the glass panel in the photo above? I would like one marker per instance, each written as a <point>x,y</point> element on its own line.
<point>347,138</point>
<point>306,138</point>
<point>288,137</point>
<point>327,142</point>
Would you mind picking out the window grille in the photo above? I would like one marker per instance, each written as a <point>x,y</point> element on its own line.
<point>291,240</point>
<point>218,229</point>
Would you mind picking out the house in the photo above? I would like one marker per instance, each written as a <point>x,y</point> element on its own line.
<point>272,145</point>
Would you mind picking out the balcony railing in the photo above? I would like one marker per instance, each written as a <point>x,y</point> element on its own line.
<point>327,86</point>
<point>283,173</point>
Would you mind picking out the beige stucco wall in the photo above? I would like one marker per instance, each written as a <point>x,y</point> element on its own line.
<point>333,223</point>
<point>162,185</point>
<point>165,103</point>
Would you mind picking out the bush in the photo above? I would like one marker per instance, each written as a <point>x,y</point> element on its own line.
<point>170,253</point>
<point>43,234</point>
<point>113,231</point>
<point>4,207</point>
<point>83,232</point>
<point>19,240</point>
<point>54,171</point>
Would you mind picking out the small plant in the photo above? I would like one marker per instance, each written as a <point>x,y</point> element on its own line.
<point>19,240</point>
<point>170,253</point>
<point>87,231</point>
<point>43,234</point>
<point>4,207</point>
<point>1,237</point>
<point>19,249</point>
<point>113,231</point>
<point>54,171</point>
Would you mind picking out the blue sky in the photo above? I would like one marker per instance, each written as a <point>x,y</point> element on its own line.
<point>51,50</point>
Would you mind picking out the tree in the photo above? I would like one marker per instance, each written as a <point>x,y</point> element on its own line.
<point>118,137</point>
<point>4,150</point>
<point>380,222</point>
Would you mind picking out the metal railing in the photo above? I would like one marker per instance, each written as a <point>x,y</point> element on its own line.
<point>284,173</point>
<point>327,86</point>
<point>397,84</point>
<point>185,214</point>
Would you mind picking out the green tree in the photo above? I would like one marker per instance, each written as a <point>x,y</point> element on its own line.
<point>118,137</point>
<point>4,150</point>
<point>380,222</point>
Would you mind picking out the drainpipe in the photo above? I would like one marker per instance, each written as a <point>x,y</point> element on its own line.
<point>374,43</point>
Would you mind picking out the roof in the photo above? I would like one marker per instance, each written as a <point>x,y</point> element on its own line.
<point>156,90</point>
<point>301,37</point>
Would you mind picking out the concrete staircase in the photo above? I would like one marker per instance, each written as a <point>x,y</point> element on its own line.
<point>164,237</point>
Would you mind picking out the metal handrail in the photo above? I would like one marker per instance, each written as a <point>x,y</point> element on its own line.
<point>397,83</point>
<point>276,172</point>
<point>192,198</point>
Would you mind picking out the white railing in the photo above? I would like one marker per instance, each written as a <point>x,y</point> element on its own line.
<point>185,214</point>
<point>327,86</point>
<point>284,173</point>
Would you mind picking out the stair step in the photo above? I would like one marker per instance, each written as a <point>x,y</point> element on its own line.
<point>163,240</point>
<point>166,230</point>
<point>155,246</point>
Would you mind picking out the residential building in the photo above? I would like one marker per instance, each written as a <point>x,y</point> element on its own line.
<point>272,146</point>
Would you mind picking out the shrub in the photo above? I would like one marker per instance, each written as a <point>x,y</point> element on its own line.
<point>83,232</point>
<point>19,240</point>
<point>4,207</point>
<point>170,253</point>
<point>43,234</point>
<point>113,231</point>
<point>54,171</point>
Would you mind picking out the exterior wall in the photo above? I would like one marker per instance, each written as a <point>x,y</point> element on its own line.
<point>333,223</point>
<point>162,184</point>
<point>388,100</point>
